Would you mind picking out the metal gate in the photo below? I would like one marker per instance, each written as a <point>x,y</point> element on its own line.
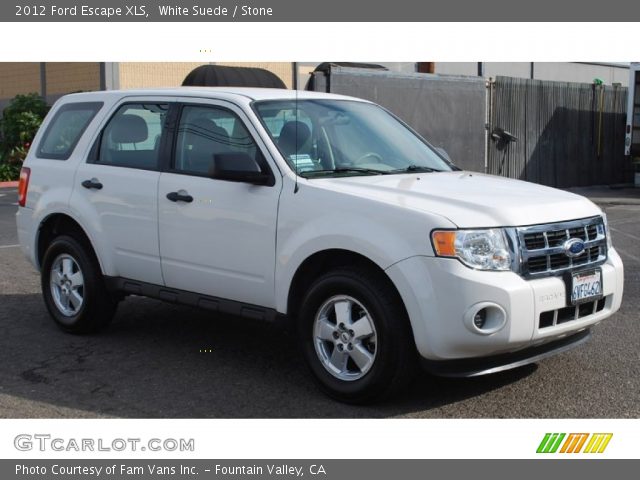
<point>449,111</point>
<point>567,134</point>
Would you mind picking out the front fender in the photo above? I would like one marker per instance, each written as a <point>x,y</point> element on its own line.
<point>316,220</point>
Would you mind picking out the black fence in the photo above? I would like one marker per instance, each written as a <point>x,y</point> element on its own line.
<point>568,134</point>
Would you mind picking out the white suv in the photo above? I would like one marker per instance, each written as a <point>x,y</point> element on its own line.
<point>317,209</point>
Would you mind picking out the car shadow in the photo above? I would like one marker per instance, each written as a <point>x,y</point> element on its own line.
<point>158,360</point>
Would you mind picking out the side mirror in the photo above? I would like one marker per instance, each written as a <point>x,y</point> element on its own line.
<point>443,152</point>
<point>239,167</point>
<point>255,178</point>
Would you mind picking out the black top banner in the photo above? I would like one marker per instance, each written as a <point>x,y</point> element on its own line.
<point>320,11</point>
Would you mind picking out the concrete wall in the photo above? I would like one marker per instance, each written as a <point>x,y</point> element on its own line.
<point>457,68</point>
<point>581,72</point>
<point>66,77</point>
<point>154,74</point>
<point>510,69</point>
<point>60,78</point>
<point>304,72</point>
<point>18,78</point>
<point>491,69</point>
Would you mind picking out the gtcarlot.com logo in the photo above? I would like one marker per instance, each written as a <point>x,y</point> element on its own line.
<point>44,442</point>
<point>574,443</point>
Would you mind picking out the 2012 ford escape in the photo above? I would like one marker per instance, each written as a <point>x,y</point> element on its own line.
<point>323,210</point>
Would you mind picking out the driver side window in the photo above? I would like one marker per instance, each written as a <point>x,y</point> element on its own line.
<point>207,135</point>
<point>295,136</point>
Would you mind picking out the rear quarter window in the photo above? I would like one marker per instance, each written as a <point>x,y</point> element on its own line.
<point>65,129</point>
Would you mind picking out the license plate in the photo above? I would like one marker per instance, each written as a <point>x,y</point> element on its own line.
<point>586,286</point>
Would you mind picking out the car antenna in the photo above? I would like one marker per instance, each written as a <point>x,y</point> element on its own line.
<point>295,158</point>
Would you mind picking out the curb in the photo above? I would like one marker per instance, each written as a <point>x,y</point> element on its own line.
<point>8,184</point>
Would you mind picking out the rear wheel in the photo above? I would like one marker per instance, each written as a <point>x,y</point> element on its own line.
<point>73,287</point>
<point>356,336</point>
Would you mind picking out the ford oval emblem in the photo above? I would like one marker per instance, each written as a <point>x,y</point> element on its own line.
<point>574,247</point>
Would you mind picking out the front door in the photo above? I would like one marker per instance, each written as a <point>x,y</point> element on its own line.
<point>217,237</point>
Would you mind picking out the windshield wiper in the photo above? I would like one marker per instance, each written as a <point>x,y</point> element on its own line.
<point>372,171</point>
<point>415,168</point>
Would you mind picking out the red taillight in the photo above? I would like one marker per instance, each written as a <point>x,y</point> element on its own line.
<point>23,185</point>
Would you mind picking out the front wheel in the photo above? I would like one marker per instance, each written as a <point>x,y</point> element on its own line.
<point>356,336</point>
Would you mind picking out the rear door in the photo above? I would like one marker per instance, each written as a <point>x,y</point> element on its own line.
<point>118,186</point>
<point>221,241</point>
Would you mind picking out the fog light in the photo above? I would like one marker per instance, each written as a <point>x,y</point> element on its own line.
<point>480,318</point>
<point>485,318</point>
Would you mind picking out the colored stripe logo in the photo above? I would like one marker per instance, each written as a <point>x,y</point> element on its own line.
<point>574,443</point>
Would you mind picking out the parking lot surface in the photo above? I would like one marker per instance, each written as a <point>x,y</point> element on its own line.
<point>160,360</point>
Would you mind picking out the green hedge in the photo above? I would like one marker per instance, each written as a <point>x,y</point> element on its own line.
<point>19,123</point>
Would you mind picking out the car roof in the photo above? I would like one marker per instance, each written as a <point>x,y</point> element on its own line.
<point>239,94</point>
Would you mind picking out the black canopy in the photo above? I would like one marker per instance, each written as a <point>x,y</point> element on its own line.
<point>221,76</point>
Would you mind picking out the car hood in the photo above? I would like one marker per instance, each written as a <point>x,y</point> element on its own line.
<point>469,199</point>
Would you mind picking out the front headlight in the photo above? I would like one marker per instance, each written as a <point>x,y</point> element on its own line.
<point>486,249</point>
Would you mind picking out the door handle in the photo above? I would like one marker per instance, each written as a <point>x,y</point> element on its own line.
<point>179,197</point>
<point>92,184</point>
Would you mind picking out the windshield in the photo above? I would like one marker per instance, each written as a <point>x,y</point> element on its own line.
<point>343,138</point>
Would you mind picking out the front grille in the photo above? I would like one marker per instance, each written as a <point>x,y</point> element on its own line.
<point>570,313</point>
<point>542,247</point>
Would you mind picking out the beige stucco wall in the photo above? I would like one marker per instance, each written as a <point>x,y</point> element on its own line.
<point>19,78</point>
<point>171,74</point>
<point>154,74</point>
<point>67,77</point>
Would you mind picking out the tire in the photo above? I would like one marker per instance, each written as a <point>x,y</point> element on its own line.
<point>376,338</point>
<point>73,287</point>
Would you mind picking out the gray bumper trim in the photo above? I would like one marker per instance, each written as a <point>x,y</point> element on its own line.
<point>473,367</point>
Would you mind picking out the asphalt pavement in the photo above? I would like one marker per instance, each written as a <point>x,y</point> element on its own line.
<point>164,361</point>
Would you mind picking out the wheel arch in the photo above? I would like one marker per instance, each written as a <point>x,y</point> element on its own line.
<point>324,261</point>
<point>57,224</point>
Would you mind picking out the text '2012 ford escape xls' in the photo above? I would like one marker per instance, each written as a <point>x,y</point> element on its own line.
<point>317,208</point>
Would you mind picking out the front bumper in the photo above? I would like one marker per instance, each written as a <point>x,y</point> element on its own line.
<point>475,367</point>
<point>439,293</point>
